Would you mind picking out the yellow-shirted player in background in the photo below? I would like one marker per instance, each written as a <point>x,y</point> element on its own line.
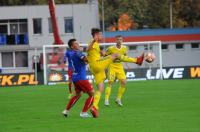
<point>98,65</point>
<point>116,70</point>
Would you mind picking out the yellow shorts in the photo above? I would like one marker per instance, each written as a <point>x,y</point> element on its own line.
<point>98,68</point>
<point>115,72</point>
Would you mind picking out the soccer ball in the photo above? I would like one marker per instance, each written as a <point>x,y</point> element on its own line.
<point>150,57</point>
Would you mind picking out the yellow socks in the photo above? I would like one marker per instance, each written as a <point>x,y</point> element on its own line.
<point>97,97</point>
<point>125,58</point>
<point>107,93</point>
<point>120,92</point>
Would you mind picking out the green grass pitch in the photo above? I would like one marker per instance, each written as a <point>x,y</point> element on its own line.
<point>149,106</point>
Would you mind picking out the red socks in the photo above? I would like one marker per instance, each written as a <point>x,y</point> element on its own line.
<point>72,101</point>
<point>88,103</point>
<point>70,87</point>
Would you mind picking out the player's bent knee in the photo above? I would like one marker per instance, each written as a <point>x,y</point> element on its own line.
<point>123,82</point>
<point>101,87</point>
<point>110,83</point>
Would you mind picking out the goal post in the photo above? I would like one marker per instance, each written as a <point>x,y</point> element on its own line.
<point>55,70</point>
<point>47,51</point>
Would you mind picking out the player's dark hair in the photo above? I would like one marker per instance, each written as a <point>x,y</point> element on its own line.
<point>70,42</point>
<point>118,36</point>
<point>94,31</point>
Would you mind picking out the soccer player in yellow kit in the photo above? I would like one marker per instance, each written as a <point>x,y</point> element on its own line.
<point>98,65</point>
<point>116,70</point>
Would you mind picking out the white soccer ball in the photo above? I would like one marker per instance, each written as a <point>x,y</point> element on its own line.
<point>150,57</point>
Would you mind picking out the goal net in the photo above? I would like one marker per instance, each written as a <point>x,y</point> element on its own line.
<point>55,70</point>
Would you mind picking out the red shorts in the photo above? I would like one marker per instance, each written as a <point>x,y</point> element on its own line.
<point>70,72</point>
<point>83,85</point>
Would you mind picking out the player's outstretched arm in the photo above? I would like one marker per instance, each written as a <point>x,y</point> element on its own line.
<point>85,59</point>
<point>82,57</point>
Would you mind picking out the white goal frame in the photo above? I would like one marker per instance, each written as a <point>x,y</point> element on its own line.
<point>105,44</point>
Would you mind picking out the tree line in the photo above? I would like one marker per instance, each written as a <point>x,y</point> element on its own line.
<point>136,14</point>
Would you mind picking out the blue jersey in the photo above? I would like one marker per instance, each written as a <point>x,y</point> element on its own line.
<point>67,57</point>
<point>79,66</point>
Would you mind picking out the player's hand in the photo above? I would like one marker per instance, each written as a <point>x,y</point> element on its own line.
<point>85,59</point>
<point>81,48</point>
<point>92,41</point>
<point>129,69</point>
<point>103,53</point>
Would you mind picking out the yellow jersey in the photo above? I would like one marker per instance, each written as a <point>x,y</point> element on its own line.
<point>112,50</point>
<point>94,54</point>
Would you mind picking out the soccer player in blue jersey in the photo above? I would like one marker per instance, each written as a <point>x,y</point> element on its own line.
<point>67,58</point>
<point>80,81</point>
